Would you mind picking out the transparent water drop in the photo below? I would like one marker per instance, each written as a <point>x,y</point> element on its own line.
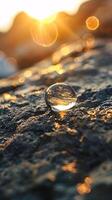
<point>60,97</point>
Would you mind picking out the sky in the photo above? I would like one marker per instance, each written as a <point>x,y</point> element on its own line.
<point>39,9</point>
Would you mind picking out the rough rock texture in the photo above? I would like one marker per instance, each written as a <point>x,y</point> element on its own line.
<point>64,156</point>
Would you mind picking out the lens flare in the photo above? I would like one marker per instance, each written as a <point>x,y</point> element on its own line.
<point>92,23</point>
<point>45,34</point>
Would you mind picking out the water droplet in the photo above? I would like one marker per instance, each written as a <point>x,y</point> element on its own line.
<point>60,97</point>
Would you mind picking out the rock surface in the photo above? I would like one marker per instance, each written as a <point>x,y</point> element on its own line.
<point>65,156</point>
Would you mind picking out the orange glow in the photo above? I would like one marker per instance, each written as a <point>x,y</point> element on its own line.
<point>85,188</point>
<point>46,34</point>
<point>70,167</point>
<point>92,23</point>
<point>62,114</point>
<point>57,125</point>
<point>65,50</point>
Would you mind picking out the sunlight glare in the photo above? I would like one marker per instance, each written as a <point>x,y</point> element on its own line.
<point>45,35</point>
<point>45,8</point>
<point>36,9</point>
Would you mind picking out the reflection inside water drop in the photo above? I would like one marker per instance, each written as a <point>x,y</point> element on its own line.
<point>60,97</point>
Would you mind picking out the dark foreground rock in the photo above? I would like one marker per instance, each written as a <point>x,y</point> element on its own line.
<point>66,156</point>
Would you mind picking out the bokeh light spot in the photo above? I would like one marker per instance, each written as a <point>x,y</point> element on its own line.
<point>70,167</point>
<point>9,97</point>
<point>85,187</point>
<point>92,23</point>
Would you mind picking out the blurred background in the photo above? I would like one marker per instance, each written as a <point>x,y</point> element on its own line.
<point>33,30</point>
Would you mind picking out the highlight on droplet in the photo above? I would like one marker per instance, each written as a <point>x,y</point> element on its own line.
<point>92,23</point>
<point>45,34</point>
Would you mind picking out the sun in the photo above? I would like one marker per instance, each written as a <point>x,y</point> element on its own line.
<point>42,9</point>
<point>38,9</point>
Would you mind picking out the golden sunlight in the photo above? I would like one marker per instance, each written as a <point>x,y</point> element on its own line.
<point>36,9</point>
<point>46,8</point>
<point>45,35</point>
